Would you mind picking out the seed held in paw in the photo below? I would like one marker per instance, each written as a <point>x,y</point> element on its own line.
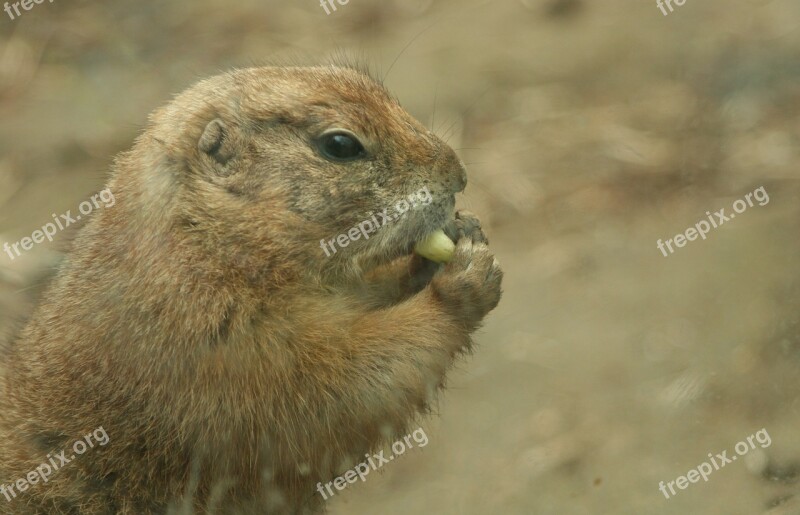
<point>436,247</point>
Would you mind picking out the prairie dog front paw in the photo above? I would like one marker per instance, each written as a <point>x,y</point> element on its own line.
<point>469,286</point>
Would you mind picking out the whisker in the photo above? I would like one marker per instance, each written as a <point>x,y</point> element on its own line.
<point>406,48</point>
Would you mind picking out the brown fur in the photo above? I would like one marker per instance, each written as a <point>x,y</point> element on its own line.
<point>232,364</point>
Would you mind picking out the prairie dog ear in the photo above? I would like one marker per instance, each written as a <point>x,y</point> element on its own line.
<point>217,142</point>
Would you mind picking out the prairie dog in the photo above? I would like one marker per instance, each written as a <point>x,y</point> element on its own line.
<point>231,362</point>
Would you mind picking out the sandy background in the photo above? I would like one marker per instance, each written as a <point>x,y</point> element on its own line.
<point>591,129</point>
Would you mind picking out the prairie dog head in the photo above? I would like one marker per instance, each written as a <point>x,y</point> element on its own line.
<point>277,162</point>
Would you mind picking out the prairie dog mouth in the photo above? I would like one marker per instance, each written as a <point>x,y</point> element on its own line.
<point>420,232</point>
<point>436,246</point>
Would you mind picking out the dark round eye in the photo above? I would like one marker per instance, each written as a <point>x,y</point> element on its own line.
<point>341,146</point>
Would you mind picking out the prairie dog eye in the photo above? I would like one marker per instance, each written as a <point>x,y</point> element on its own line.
<point>340,145</point>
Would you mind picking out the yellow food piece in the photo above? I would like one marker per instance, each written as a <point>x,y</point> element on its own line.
<point>436,247</point>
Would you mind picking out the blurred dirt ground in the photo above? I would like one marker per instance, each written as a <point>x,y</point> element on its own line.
<point>591,130</point>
